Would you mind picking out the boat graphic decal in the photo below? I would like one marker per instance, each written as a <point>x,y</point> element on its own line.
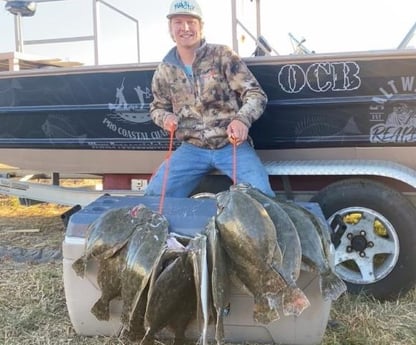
<point>138,112</point>
<point>61,126</point>
<point>320,77</point>
<point>392,115</point>
<point>132,120</point>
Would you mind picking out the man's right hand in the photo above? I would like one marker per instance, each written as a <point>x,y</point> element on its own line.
<point>170,123</point>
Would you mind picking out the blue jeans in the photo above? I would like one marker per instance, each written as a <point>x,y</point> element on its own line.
<point>189,164</point>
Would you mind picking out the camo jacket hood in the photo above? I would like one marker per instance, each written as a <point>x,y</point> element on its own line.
<point>220,89</point>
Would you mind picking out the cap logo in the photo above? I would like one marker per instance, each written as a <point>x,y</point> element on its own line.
<point>184,5</point>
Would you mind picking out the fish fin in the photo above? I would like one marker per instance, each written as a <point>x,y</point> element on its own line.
<point>138,331</point>
<point>148,338</point>
<point>219,326</point>
<point>101,310</point>
<point>265,309</point>
<point>332,287</point>
<point>80,266</point>
<point>134,334</point>
<point>294,301</point>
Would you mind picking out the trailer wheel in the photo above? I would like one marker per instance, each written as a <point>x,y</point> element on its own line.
<point>376,253</point>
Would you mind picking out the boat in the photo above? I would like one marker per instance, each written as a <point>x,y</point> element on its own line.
<point>339,129</point>
<point>60,116</point>
<point>321,106</point>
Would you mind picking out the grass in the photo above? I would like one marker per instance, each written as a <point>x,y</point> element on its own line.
<point>33,311</point>
<point>33,308</point>
<point>361,320</point>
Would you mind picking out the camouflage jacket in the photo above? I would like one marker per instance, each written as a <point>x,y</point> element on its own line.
<point>220,89</point>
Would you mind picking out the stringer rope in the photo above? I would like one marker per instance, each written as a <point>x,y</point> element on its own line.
<point>166,173</point>
<point>234,142</point>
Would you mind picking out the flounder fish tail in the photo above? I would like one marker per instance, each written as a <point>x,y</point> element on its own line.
<point>101,310</point>
<point>148,338</point>
<point>219,329</point>
<point>332,287</point>
<point>136,332</point>
<point>266,309</point>
<point>133,334</point>
<point>80,266</point>
<point>294,301</point>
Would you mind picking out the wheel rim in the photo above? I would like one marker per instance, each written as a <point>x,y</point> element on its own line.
<point>369,248</point>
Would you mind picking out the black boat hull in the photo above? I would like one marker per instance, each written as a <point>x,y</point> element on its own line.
<point>334,106</point>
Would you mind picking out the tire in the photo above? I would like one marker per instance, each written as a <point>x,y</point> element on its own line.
<point>377,253</point>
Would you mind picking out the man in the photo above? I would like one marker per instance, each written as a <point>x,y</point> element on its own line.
<point>207,95</point>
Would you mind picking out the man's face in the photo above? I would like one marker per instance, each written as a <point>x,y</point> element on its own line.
<point>186,31</point>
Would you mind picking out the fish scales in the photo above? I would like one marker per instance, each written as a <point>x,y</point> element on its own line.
<point>136,332</point>
<point>171,297</point>
<point>322,230</point>
<point>145,247</point>
<point>244,219</point>
<point>249,238</point>
<point>109,233</point>
<point>198,251</point>
<point>109,282</point>
<point>113,229</point>
<point>294,300</point>
<point>220,283</point>
<point>287,236</point>
<point>314,255</point>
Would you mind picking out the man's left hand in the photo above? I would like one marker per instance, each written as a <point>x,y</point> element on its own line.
<point>237,132</point>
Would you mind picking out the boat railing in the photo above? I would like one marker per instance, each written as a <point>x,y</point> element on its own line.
<point>262,46</point>
<point>20,42</point>
<point>406,40</point>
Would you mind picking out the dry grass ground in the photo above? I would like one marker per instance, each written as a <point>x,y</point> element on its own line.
<point>33,309</point>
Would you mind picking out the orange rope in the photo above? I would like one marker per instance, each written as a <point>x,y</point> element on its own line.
<point>165,176</point>
<point>234,142</point>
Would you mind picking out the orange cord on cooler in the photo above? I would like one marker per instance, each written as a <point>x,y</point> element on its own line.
<point>234,142</point>
<point>165,176</point>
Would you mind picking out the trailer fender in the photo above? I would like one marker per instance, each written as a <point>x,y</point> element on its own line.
<point>354,167</point>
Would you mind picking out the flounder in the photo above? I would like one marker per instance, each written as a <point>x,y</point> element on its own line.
<point>219,274</point>
<point>315,253</point>
<point>144,249</point>
<point>294,300</point>
<point>197,249</point>
<point>137,324</point>
<point>249,238</point>
<point>136,331</point>
<point>109,233</point>
<point>171,299</point>
<point>109,281</point>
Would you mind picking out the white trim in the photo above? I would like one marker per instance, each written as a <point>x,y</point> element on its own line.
<point>344,167</point>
